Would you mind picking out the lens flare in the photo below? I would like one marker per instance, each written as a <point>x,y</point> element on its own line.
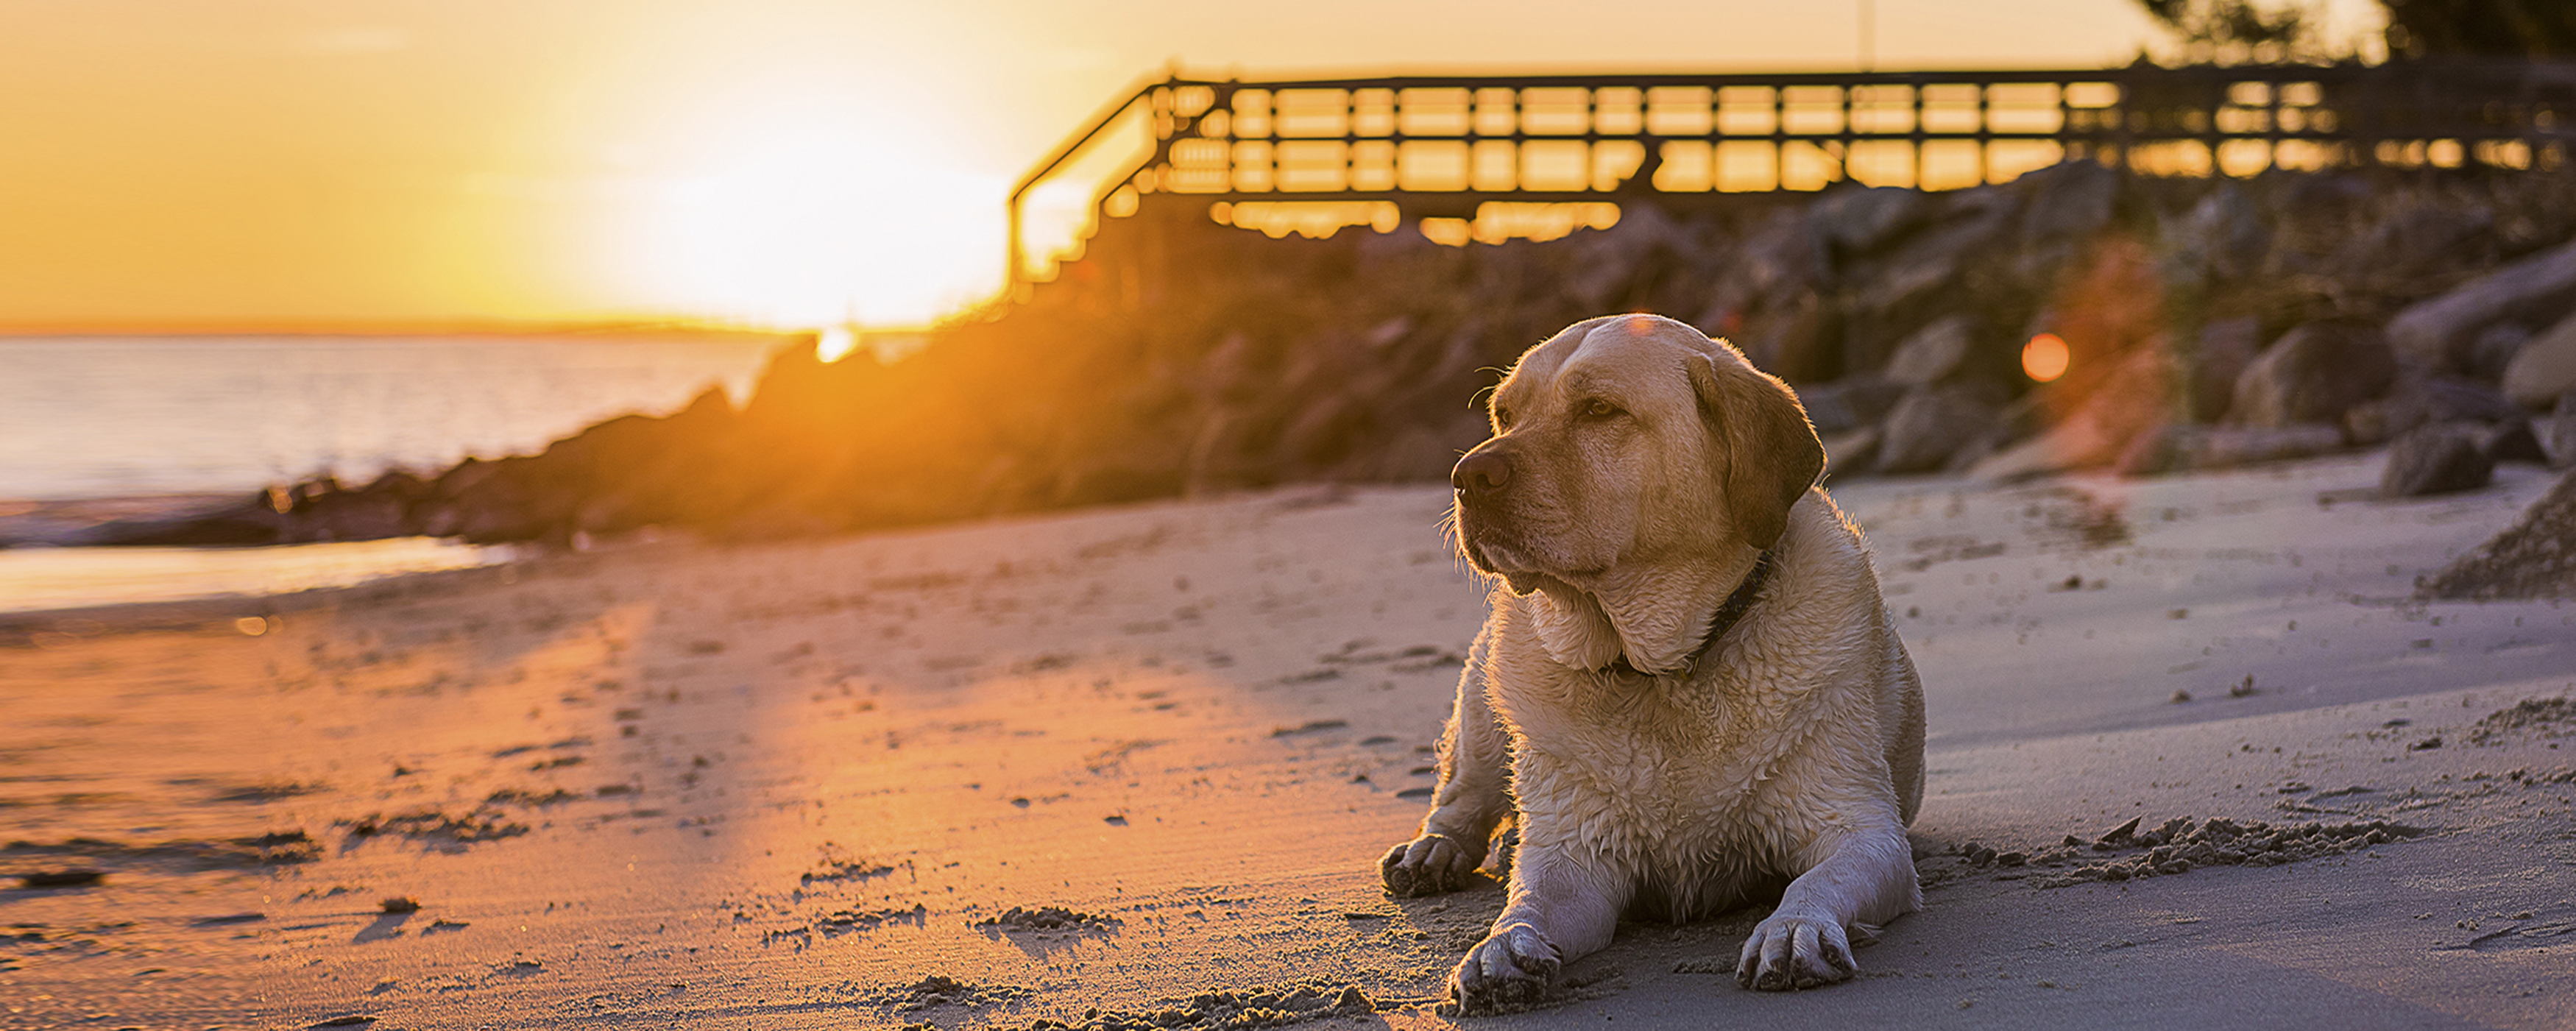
<point>2044,358</point>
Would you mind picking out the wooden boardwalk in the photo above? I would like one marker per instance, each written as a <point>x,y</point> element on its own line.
<point>1405,148</point>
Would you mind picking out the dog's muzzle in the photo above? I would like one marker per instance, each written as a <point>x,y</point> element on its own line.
<point>1482,474</point>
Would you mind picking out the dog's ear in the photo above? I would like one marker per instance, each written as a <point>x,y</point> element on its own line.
<point>1768,451</point>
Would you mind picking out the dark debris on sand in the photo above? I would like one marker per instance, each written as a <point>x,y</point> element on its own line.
<point>480,824</point>
<point>1247,1008</point>
<point>2533,558</point>
<point>840,866</point>
<point>1047,918</point>
<point>942,990</point>
<point>2181,844</point>
<point>852,921</point>
<point>271,849</point>
<point>2545,715</point>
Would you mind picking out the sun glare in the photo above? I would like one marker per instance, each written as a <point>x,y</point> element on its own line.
<point>2045,358</point>
<point>807,223</point>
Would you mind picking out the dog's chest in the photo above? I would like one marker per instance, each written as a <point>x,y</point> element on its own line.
<point>1641,755</point>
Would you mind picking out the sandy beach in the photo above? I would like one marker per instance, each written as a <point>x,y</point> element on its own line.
<point>1135,766</point>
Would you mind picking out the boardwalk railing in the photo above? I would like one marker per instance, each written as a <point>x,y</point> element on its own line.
<point>1415,147</point>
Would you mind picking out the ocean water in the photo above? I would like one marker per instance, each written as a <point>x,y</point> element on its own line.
<point>84,418</point>
<point>96,417</point>
<point>42,579</point>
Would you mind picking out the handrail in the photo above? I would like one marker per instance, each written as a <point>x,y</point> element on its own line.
<point>1100,121</point>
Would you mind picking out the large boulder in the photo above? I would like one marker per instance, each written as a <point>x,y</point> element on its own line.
<point>1852,452</point>
<point>2218,356</point>
<point>1848,403</point>
<point>2513,442</point>
<point>2415,235</point>
<point>2419,401</point>
<point>2492,354</point>
<point>2312,374</point>
<point>2557,433</point>
<point>2436,459</point>
<point>1935,352</point>
<point>2175,448</point>
<point>2534,290</point>
<point>1932,423</point>
<point>2544,367</point>
<point>2221,236</point>
<point>2068,200</point>
<point>1864,218</point>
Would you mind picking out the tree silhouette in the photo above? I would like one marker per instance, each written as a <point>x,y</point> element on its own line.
<point>2240,32</point>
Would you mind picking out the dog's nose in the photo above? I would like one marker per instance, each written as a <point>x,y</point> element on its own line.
<point>1481,472</point>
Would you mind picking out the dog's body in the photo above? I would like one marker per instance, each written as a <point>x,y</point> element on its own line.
<point>1645,487</point>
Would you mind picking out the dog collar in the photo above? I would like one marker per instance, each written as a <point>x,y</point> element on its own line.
<point>1729,614</point>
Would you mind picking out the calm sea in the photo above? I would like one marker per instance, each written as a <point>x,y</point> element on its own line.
<point>90,417</point>
<point>115,417</point>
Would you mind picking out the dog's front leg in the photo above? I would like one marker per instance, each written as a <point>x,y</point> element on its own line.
<point>1473,795</point>
<point>1561,908</point>
<point>1867,877</point>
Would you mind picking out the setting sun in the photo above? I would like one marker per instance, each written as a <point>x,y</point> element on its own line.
<point>809,225</point>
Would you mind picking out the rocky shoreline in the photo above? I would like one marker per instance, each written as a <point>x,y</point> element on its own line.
<point>2208,324</point>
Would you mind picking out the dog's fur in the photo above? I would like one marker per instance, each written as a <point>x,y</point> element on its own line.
<point>1637,472</point>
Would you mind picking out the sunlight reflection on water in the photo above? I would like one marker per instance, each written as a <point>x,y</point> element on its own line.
<point>36,579</point>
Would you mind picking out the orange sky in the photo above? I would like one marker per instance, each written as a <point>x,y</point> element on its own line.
<point>282,163</point>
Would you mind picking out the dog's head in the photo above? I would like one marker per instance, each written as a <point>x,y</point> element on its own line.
<point>1627,443</point>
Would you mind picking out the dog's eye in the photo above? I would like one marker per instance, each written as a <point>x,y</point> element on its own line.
<point>1600,409</point>
<point>1503,417</point>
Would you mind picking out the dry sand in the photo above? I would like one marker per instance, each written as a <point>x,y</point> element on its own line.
<point>1101,766</point>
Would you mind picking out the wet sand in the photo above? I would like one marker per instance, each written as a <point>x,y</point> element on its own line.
<point>1136,763</point>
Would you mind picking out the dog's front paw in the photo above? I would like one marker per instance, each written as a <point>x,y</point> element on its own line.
<point>1428,865</point>
<point>1795,951</point>
<point>1513,968</point>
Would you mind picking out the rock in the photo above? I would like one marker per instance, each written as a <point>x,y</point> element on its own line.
<point>2436,459</point>
<point>1793,341</point>
<point>2222,236</point>
<point>1779,258</point>
<point>1862,219</point>
<point>1930,424</point>
<point>2155,452</point>
<point>1851,453</point>
<point>1919,279</point>
<point>1619,268</point>
<point>2219,355</point>
<point>2492,354</point>
<point>2544,367</point>
<point>2172,448</point>
<point>250,521</point>
<point>1848,403</point>
<point>2556,433</point>
<point>2070,199</point>
<point>2312,374</point>
<point>1995,438</point>
<point>2417,402</point>
<point>1906,292</point>
<point>2534,290</point>
<point>2513,442</point>
<point>2416,235</point>
<point>1934,352</point>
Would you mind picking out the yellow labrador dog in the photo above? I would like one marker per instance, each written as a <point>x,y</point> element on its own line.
<point>1689,694</point>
